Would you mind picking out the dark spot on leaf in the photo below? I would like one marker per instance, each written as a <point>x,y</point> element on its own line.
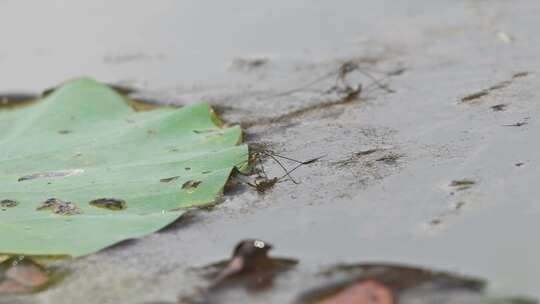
<point>59,207</point>
<point>60,173</point>
<point>169,179</point>
<point>187,168</point>
<point>202,131</point>
<point>109,203</point>
<point>22,275</point>
<point>63,132</point>
<point>206,172</point>
<point>7,203</point>
<point>48,204</point>
<point>68,208</point>
<point>462,184</point>
<point>191,185</point>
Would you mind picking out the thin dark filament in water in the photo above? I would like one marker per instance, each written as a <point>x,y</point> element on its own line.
<point>341,75</point>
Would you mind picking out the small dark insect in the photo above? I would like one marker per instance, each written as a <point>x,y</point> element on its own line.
<point>262,182</point>
<point>350,66</point>
<point>263,185</point>
<point>7,203</point>
<point>63,132</point>
<point>109,203</point>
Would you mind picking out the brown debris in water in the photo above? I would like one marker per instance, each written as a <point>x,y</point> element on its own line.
<point>20,275</point>
<point>519,123</point>
<point>383,284</point>
<point>472,98</point>
<point>499,107</point>
<point>462,184</point>
<point>364,292</point>
<point>250,266</point>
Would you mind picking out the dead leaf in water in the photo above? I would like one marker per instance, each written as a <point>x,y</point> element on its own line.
<point>250,269</point>
<point>249,266</point>
<point>383,284</point>
<point>365,292</point>
<point>22,275</point>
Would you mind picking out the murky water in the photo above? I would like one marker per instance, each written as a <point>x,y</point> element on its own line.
<point>408,215</point>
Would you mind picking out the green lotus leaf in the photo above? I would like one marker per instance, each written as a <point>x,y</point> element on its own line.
<point>80,170</point>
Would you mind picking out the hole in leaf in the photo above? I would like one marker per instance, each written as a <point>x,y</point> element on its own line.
<point>59,207</point>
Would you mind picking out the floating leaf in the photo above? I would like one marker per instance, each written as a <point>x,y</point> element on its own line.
<point>110,154</point>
